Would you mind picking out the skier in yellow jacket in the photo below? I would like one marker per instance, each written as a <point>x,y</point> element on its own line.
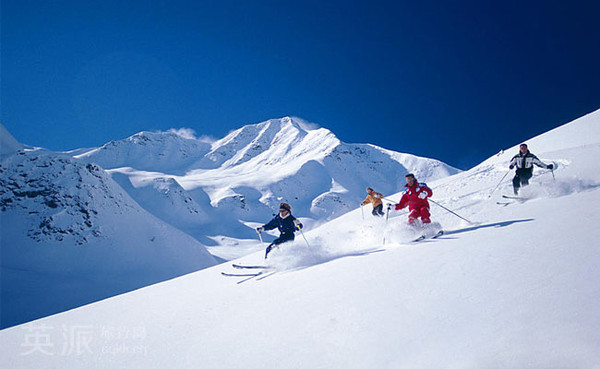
<point>375,199</point>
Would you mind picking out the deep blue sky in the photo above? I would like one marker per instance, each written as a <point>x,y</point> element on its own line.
<point>452,80</point>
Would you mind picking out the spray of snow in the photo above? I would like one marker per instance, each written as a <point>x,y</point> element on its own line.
<point>187,133</point>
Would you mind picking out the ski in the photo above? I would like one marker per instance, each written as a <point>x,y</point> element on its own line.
<point>241,274</point>
<point>514,197</point>
<point>420,238</point>
<point>503,203</point>
<point>423,237</point>
<point>265,275</point>
<point>238,266</point>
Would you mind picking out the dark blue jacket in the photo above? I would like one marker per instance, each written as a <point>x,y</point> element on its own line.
<point>286,225</point>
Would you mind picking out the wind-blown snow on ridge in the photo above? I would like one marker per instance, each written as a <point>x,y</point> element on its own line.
<point>517,288</point>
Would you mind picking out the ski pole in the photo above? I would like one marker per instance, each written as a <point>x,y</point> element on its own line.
<point>445,208</point>
<point>260,238</point>
<point>499,183</point>
<point>553,177</point>
<point>387,215</point>
<point>303,236</point>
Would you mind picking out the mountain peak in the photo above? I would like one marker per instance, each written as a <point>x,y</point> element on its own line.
<point>8,144</point>
<point>285,157</point>
<point>298,123</point>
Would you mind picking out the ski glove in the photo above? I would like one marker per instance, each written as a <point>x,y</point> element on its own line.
<point>297,224</point>
<point>423,195</point>
<point>260,229</point>
<point>511,166</point>
<point>550,166</point>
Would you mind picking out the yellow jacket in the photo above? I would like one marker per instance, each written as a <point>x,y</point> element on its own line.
<point>373,198</point>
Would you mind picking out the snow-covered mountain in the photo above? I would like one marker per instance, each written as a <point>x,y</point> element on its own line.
<point>70,235</point>
<point>517,287</point>
<point>169,152</point>
<point>64,216</point>
<point>206,189</point>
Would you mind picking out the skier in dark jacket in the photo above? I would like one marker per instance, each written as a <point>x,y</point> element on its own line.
<point>524,162</point>
<point>285,222</point>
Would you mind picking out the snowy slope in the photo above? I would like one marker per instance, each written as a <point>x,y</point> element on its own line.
<point>70,236</point>
<point>517,288</point>
<point>245,175</point>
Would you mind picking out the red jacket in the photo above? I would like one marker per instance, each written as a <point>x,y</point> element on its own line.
<point>411,196</point>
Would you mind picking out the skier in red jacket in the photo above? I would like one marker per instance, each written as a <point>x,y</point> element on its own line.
<point>415,197</point>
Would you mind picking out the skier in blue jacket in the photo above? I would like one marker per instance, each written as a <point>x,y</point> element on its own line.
<point>285,222</point>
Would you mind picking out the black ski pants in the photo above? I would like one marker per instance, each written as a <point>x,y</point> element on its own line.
<point>378,210</point>
<point>521,178</point>
<point>284,237</point>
